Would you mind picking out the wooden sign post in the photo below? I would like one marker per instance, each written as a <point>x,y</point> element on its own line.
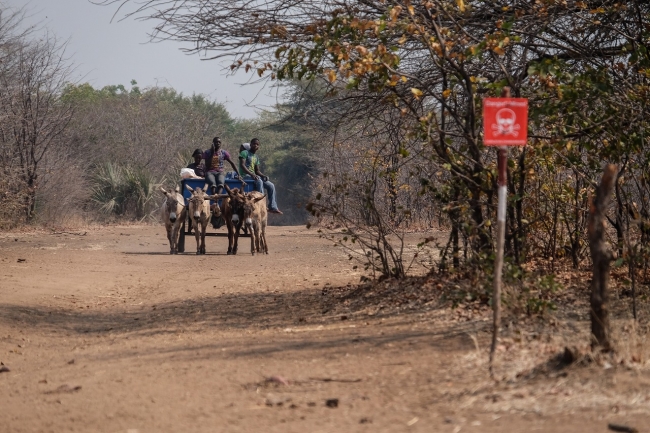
<point>505,123</point>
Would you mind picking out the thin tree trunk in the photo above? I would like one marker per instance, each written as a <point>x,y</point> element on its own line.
<point>601,256</point>
<point>619,216</point>
<point>632,268</point>
<point>520,235</point>
<point>455,228</point>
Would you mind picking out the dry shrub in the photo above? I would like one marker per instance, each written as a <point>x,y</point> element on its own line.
<point>13,193</point>
<point>62,196</point>
<point>632,343</point>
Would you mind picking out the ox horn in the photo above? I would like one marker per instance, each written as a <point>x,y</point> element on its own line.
<point>228,190</point>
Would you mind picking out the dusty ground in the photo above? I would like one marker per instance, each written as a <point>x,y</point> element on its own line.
<point>106,332</point>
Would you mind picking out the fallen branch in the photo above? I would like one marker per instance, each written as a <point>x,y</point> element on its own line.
<point>68,233</point>
<point>622,428</point>
<point>329,379</point>
<point>64,389</point>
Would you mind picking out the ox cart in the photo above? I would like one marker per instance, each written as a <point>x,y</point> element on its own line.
<point>186,226</point>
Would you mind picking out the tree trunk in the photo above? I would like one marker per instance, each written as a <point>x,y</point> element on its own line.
<point>454,216</point>
<point>601,256</point>
<point>520,235</point>
<point>482,241</point>
<point>619,216</point>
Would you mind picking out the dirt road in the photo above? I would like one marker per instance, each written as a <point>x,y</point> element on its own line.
<point>106,332</point>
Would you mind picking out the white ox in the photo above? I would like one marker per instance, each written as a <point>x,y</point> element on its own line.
<point>173,214</point>
<point>199,208</point>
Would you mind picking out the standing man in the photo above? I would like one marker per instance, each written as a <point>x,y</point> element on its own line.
<point>249,165</point>
<point>214,158</point>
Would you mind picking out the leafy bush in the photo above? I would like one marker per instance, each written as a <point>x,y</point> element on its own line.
<point>124,191</point>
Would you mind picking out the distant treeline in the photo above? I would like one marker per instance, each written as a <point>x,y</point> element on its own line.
<point>71,153</point>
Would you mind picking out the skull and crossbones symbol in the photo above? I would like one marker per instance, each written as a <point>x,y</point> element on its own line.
<point>506,123</point>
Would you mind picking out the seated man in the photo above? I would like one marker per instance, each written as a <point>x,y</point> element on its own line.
<point>197,165</point>
<point>249,165</point>
<point>215,175</point>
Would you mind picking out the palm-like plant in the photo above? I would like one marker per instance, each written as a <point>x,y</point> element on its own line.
<point>140,186</point>
<point>121,190</point>
<point>107,189</point>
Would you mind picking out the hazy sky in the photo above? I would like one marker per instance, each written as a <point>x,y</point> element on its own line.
<point>117,52</point>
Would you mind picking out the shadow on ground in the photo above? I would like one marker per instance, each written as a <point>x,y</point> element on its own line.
<point>298,316</point>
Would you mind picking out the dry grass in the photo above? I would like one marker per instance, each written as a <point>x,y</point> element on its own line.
<point>533,377</point>
<point>531,370</point>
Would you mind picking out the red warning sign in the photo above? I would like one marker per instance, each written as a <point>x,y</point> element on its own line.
<point>505,121</point>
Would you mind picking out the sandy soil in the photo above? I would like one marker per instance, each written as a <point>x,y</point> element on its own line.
<point>106,332</point>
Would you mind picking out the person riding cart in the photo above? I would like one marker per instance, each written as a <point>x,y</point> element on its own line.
<point>214,158</point>
<point>198,166</point>
<point>249,165</point>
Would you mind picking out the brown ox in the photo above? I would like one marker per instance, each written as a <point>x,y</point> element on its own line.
<point>255,217</point>
<point>173,214</point>
<point>199,209</point>
<point>232,209</point>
